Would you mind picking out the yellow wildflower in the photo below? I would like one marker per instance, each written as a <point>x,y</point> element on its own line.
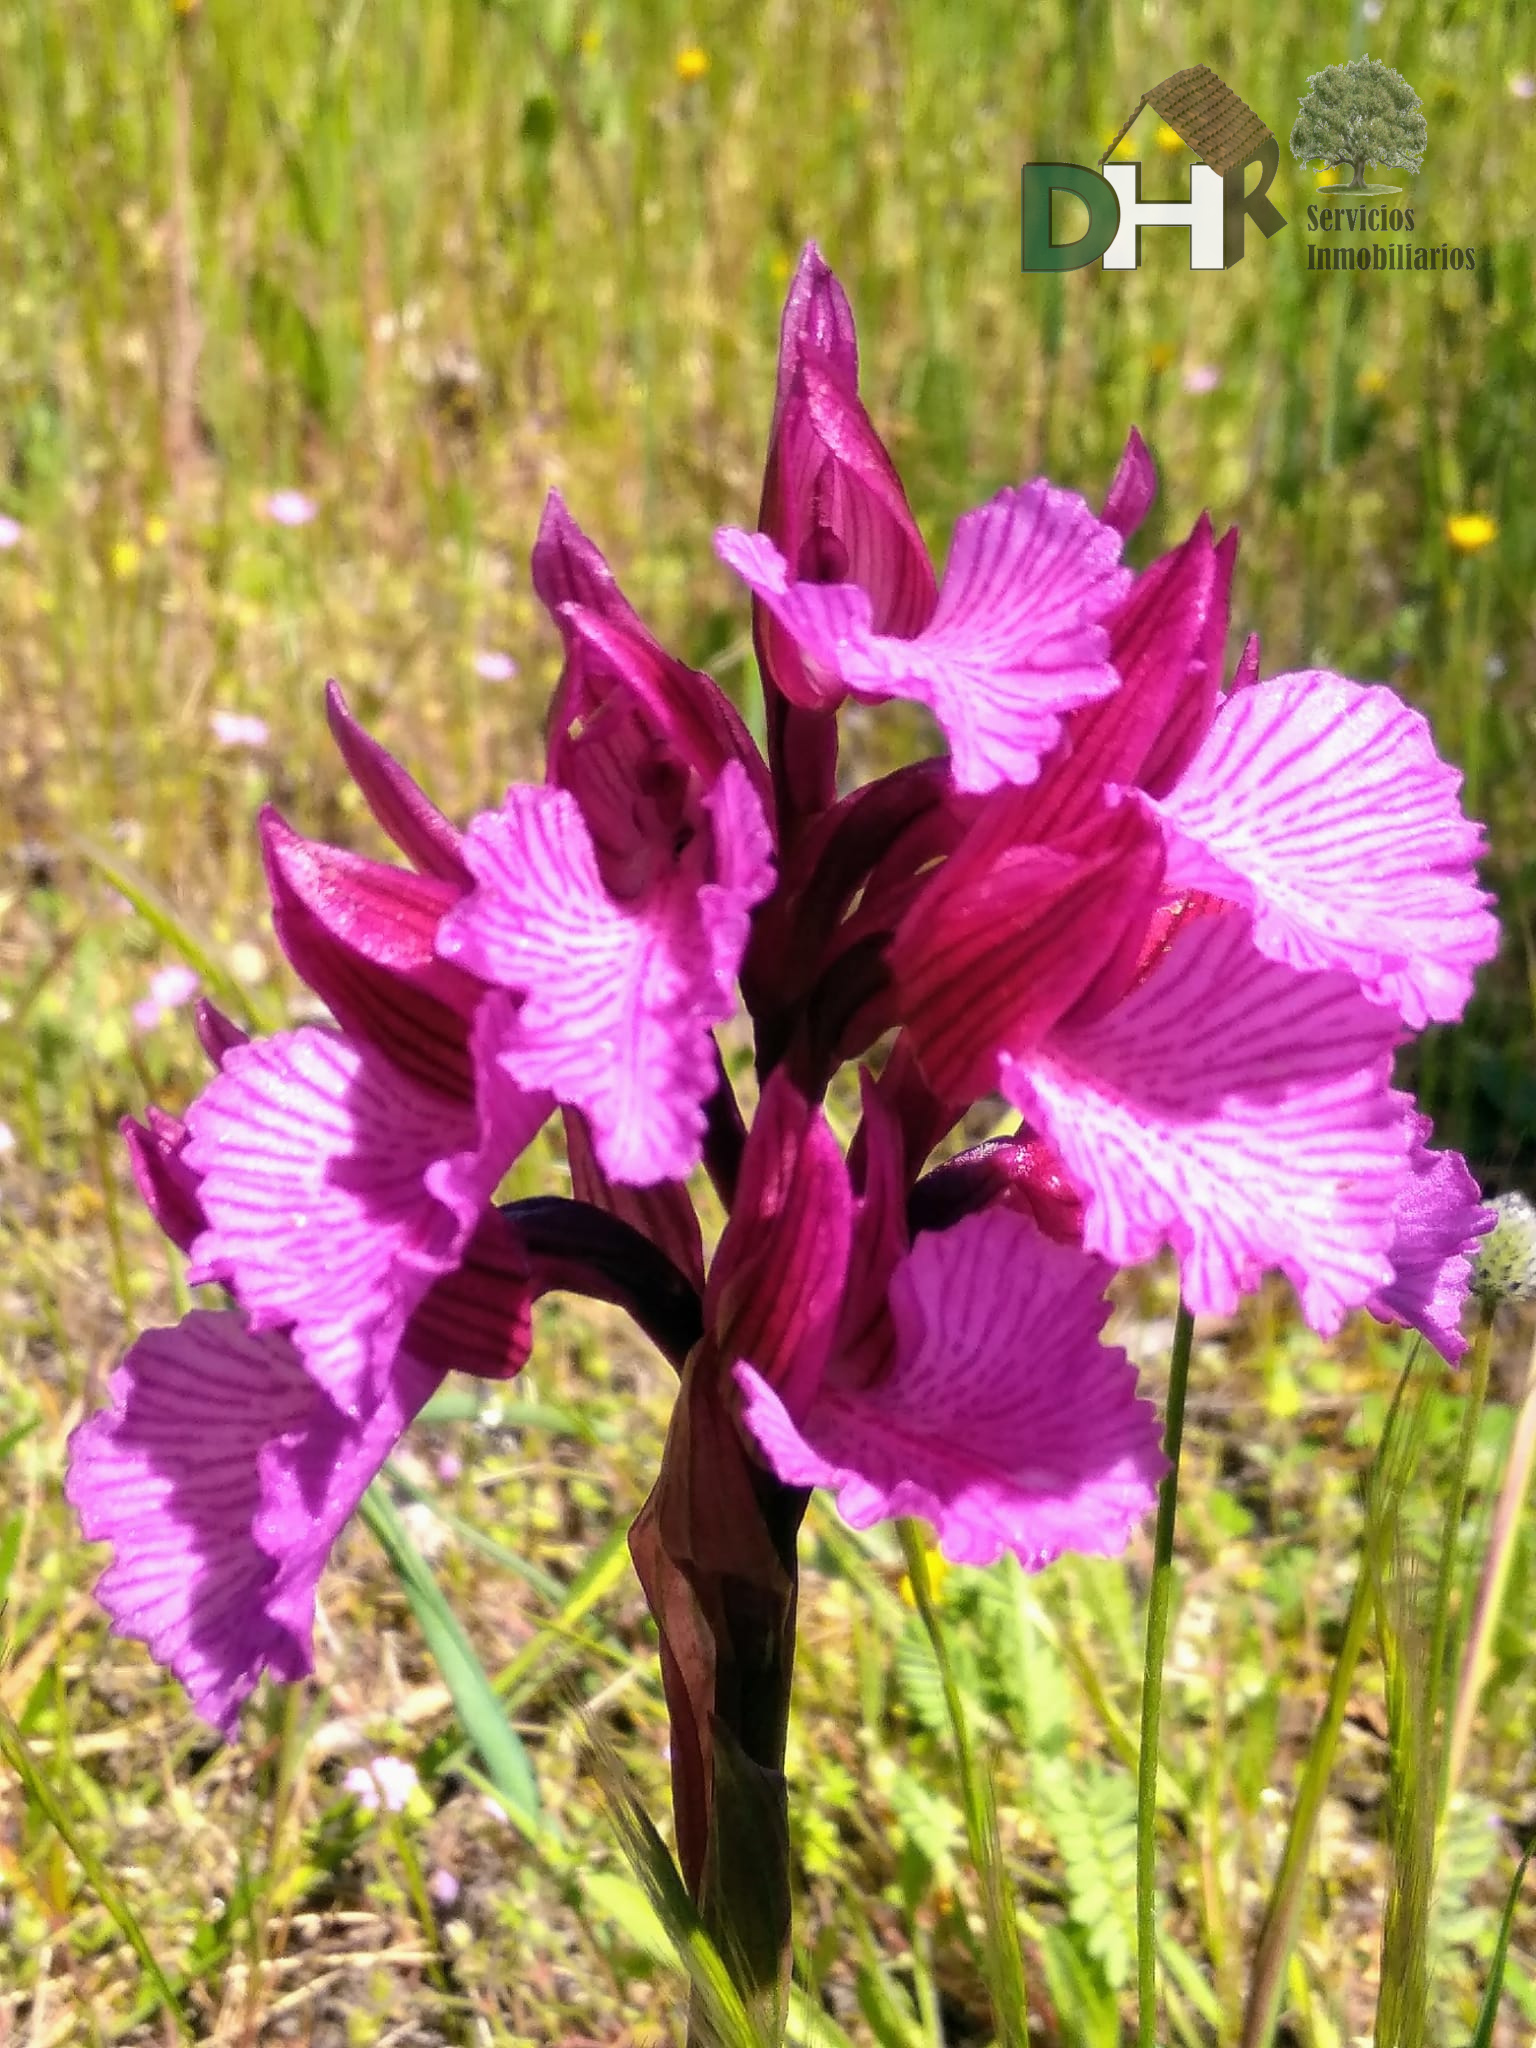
<point>1471,532</point>
<point>1169,141</point>
<point>1372,381</point>
<point>938,1567</point>
<point>125,560</point>
<point>155,531</point>
<point>692,63</point>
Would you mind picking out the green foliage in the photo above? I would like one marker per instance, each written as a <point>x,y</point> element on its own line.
<point>1360,113</point>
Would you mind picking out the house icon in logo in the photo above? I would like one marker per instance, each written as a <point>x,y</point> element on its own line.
<point>1221,129</point>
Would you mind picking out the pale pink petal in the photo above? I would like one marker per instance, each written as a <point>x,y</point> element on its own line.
<point>336,1189</point>
<point>1004,1422</point>
<point>619,1000</point>
<point>1321,806</point>
<point>1017,638</point>
<point>221,1475</point>
<point>1437,1222</point>
<point>1236,1110</point>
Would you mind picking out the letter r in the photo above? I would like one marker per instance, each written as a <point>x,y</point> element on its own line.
<point>1238,204</point>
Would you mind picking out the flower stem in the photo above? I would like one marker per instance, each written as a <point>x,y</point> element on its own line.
<point>1497,1559</point>
<point>1450,1538</point>
<point>1158,1604</point>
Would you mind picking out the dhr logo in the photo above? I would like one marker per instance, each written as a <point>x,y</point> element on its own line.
<point>1217,125</point>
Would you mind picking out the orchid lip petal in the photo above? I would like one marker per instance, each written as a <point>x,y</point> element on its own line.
<point>618,1001</point>
<point>1320,806</point>
<point>1236,1110</point>
<point>972,1428</point>
<point>221,1474</point>
<point>1016,640</point>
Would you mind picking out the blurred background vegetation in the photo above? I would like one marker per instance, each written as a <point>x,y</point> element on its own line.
<point>303,308</point>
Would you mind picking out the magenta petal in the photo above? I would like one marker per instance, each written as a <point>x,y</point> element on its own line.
<point>776,1281</point>
<point>1016,641</point>
<point>1132,489</point>
<point>415,825</point>
<point>866,1330</point>
<point>156,1153</point>
<point>216,1033</point>
<point>683,709</point>
<point>360,933</point>
<point>337,1190</point>
<point>568,568</point>
<point>1436,1224</point>
<point>1004,1422</point>
<point>1321,806</point>
<point>1235,1110</point>
<point>619,999</point>
<point>817,315</point>
<point>221,1475</point>
<point>478,1318</point>
<point>1006,938</point>
<point>1155,641</point>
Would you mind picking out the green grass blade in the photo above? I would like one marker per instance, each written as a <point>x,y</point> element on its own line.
<point>1483,2034</point>
<point>14,1749</point>
<point>479,1710</point>
<point>1005,1960</point>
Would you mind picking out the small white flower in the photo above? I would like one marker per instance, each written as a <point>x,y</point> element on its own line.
<point>387,1782</point>
<point>494,667</point>
<point>290,508</point>
<point>238,729</point>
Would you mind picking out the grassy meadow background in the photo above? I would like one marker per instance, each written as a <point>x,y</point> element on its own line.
<point>420,262</point>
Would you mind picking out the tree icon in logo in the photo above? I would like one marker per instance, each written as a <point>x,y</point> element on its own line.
<point>1360,113</point>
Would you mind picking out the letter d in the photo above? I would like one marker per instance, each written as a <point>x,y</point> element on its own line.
<point>1041,182</point>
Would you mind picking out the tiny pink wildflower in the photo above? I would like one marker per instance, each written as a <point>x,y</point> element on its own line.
<point>290,508</point>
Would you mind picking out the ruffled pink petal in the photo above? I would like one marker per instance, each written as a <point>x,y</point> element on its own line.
<point>1132,488</point>
<point>1236,1110</point>
<point>336,1189</point>
<point>1321,806</point>
<point>1004,1422</point>
<point>1438,1219</point>
<point>414,823</point>
<point>777,1277</point>
<point>619,1000</point>
<point>221,1476</point>
<point>360,934</point>
<point>1017,638</point>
